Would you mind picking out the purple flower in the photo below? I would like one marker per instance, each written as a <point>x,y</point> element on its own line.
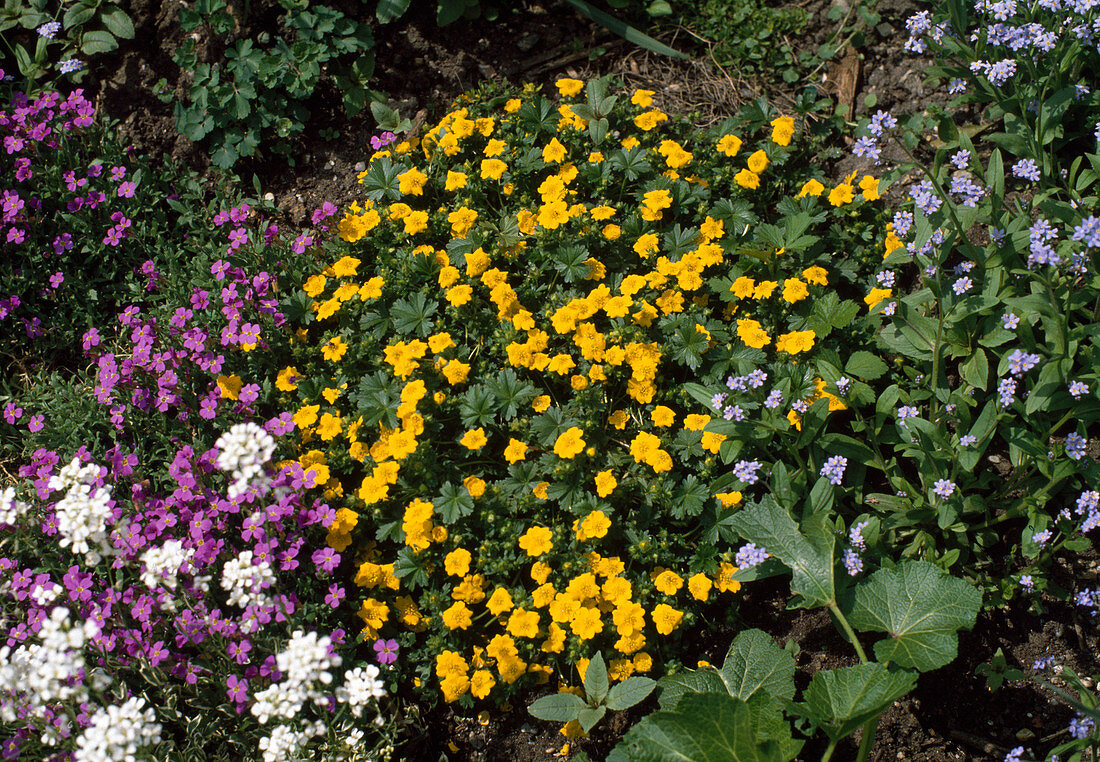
<point>1020,362</point>
<point>757,379</point>
<point>219,269</point>
<point>326,559</point>
<point>1026,169</point>
<point>238,689</point>
<point>1078,389</point>
<point>56,280</point>
<point>1080,726</point>
<point>833,469</point>
<point>36,424</point>
<point>944,488</point>
<point>774,400</point>
<point>12,413</point>
<point>1007,391</point>
<point>842,384</point>
<point>1075,445</point>
<point>1042,538</point>
<point>68,66</point>
<point>49,29</point>
<point>968,440</point>
<point>1010,320</point>
<point>335,595</point>
<point>962,285</point>
<point>745,470</point>
<point>852,562</point>
<point>386,650</point>
<point>907,411</point>
<point>749,555</point>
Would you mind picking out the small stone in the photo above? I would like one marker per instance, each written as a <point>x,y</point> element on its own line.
<point>269,197</point>
<point>1025,735</point>
<point>527,42</point>
<point>360,166</point>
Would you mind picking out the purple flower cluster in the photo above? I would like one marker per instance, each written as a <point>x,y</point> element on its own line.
<point>833,469</point>
<point>745,470</point>
<point>749,556</point>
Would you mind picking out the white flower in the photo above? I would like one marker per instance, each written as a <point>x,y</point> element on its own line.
<point>118,733</point>
<point>243,450</point>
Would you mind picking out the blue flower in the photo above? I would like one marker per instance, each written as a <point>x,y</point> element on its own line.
<point>1075,445</point>
<point>1026,169</point>
<point>852,562</point>
<point>943,488</point>
<point>745,470</point>
<point>749,555</point>
<point>968,440</point>
<point>833,469</point>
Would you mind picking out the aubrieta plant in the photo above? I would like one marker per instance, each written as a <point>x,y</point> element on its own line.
<point>499,369</point>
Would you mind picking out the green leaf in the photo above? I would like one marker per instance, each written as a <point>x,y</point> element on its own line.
<point>624,30</point>
<point>840,700</point>
<point>77,15</point>
<point>976,370</point>
<point>118,23</point>
<point>866,366</point>
<point>559,707</point>
<point>595,679</point>
<point>809,559</point>
<point>711,727</point>
<point>92,43</point>
<point>629,692</point>
<point>388,10</point>
<point>756,664</point>
<point>921,608</point>
<point>589,716</point>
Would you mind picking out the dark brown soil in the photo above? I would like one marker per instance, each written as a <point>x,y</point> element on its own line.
<point>952,715</point>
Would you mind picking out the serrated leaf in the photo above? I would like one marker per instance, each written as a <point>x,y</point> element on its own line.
<point>866,366</point>
<point>118,23</point>
<point>93,43</point>
<point>756,664</point>
<point>921,608</point>
<point>710,727</point>
<point>810,562</point>
<point>559,707</point>
<point>595,679</point>
<point>840,700</point>
<point>629,692</point>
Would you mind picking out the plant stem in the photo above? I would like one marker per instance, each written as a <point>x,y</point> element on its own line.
<point>829,752</point>
<point>868,739</point>
<point>849,632</point>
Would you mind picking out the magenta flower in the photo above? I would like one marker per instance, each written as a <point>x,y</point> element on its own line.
<point>326,559</point>
<point>386,650</point>
<point>238,689</point>
<point>126,189</point>
<point>36,424</point>
<point>56,280</point>
<point>335,595</point>
<point>12,413</point>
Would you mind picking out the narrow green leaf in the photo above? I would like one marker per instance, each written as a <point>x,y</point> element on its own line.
<point>976,370</point>
<point>589,716</point>
<point>95,42</point>
<point>595,679</point>
<point>388,10</point>
<point>921,608</point>
<point>624,30</point>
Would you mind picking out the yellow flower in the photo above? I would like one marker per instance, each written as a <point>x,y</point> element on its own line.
<point>743,287</point>
<point>457,617</point>
<point>795,342</point>
<point>416,222</point>
<point>569,443</point>
<point>459,295</point>
<point>287,380</point>
<point>372,289</point>
<point>729,499</point>
<point>536,541</point>
<point>841,195</point>
<point>782,130</point>
<point>811,188</point>
<point>674,153</point>
<point>314,285</point>
<point>440,341</point>
<point>696,422</point>
<point>492,169</point>
<point>334,349</point>
<point>602,212</point>
<point>457,562</point>
<point>515,451</point>
<point>481,683</point>
<point>306,416</point>
<point>586,623</point>
<point>523,623</point>
<point>412,182</point>
<point>229,387</point>
<point>462,221</point>
<point>569,87</point>
<point>512,106</point>
<point>668,582</point>
<point>455,181</point>
<point>663,416</point>
<point>499,602</point>
<point>474,439</point>
<point>752,333</point>
<point>747,179</point>
<point>605,483</point>
<point>494,148</point>
<point>758,162</point>
<point>612,232</point>
<point>648,120</point>
<point>541,403</point>
<point>553,152</point>
<point>618,419</point>
<point>794,290</point>
<point>474,485</point>
<point>729,145</point>
<point>595,157</point>
<point>869,186</point>
<point>764,289</point>
<point>699,586</point>
<point>593,526</point>
<point>642,98</point>
<point>329,427</point>
<point>816,275</point>
<point>876,296</point>
<point>646,245</point>
<point>666,619</point>
<point>456,372</point>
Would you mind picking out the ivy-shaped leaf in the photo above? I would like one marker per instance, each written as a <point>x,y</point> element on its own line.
<point>840,700</point>
<point>921,609</point>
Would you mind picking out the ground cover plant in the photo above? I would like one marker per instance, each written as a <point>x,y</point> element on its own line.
<point>529,417</point>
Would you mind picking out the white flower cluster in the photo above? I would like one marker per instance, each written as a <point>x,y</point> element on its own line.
<point>285,743</point>
<point>245,580</point>
<point>45,595</point>
<point>10,508</point>
<point>83,514</point>
<point>163,564</point>
<point>117,733</point>
<point>243,450</point>
<point>37,675</point>
<point>360,686</point>
<point>305,665</point>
